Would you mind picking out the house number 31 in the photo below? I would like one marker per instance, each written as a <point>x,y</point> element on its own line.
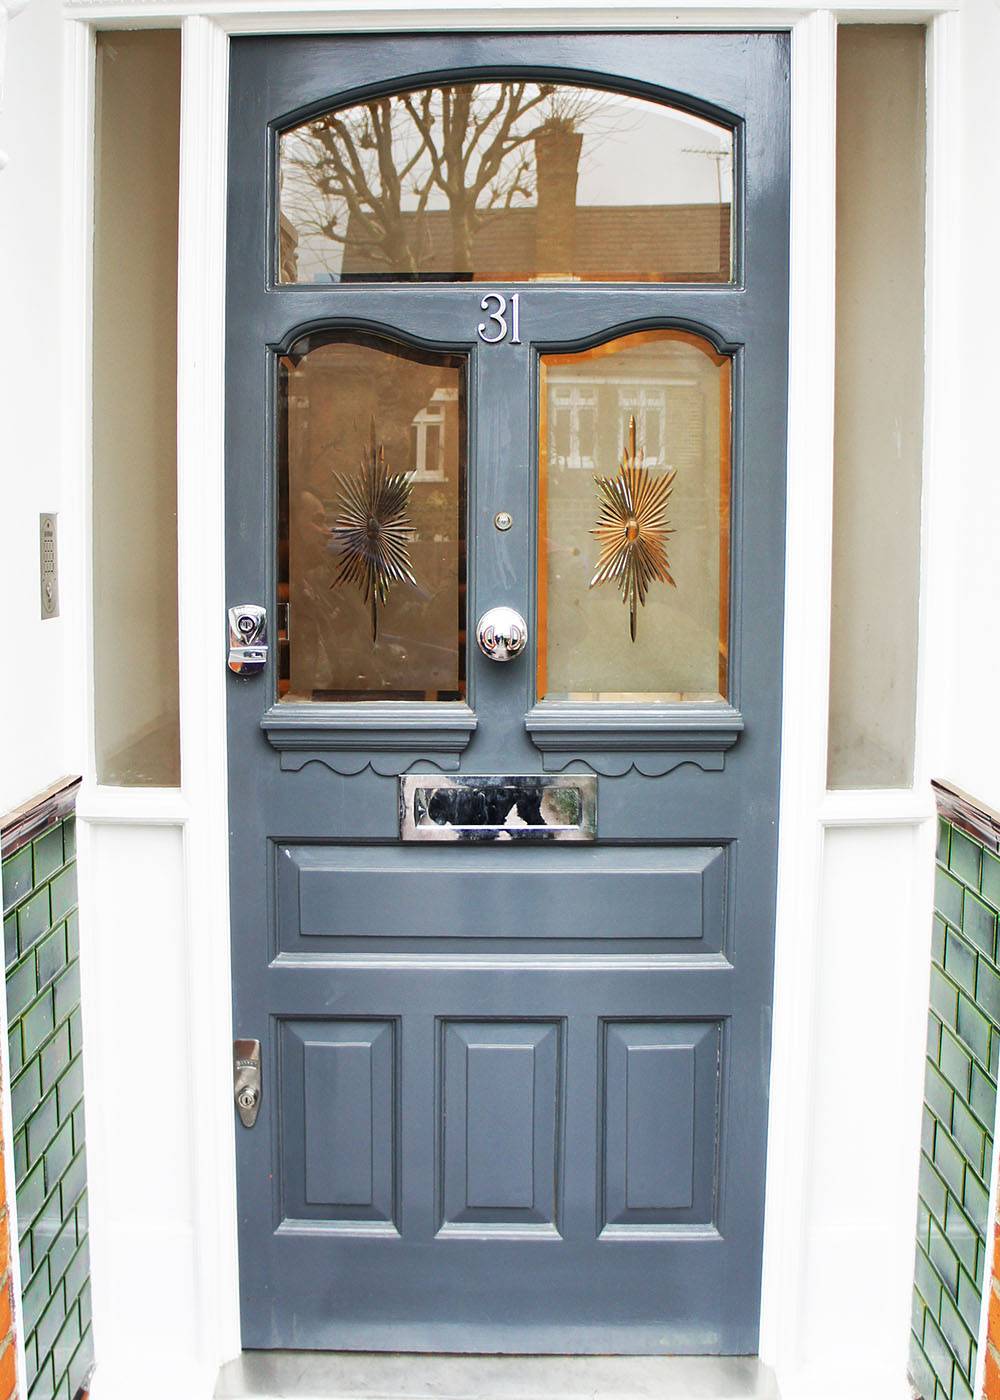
<point>496,327</point>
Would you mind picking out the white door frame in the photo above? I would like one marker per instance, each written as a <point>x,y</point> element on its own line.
<point>200,806</point>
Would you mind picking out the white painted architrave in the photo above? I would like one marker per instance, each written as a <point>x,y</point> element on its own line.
<point>201,810</point>
<point>808,544</point>
<point>8,10</point>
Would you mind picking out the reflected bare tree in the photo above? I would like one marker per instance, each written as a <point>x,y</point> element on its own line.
<point>367,174</point>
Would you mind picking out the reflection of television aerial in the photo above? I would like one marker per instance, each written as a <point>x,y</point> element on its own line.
<point>718,156</point>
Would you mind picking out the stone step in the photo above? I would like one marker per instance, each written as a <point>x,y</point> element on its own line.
<point>302,1375</point>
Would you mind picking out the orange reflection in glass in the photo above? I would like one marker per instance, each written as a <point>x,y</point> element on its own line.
<point>678,389</point>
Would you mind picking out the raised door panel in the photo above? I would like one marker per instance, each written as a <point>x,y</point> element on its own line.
<point>344,898</point>
<point>661,1124</point>
<point>338,1122</point>
<point>499,1130</point>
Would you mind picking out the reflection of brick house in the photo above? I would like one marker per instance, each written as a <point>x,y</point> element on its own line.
<point>553,237</point>
<point>669,243</point>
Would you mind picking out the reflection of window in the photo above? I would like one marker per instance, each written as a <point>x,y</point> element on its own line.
<point>648,405</point>
<point>574,417</point>
<point>427,437</point>
<point>589,422</point>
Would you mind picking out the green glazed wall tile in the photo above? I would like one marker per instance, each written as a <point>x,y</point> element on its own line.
<point>921,1370</point>
<point>960,962</point>
<point>944,997</point>
<point>966,858</point>
<point>10,939</point>
<point>927,1281</point>
<point>991,879</point>
<point>943,841</point>
<point>974,1028</point>
<point>956,1334</point>
<point>41,1128</point>
<point>980,924</point>
<point>961,1235</point>
<point>987,991</point>
<point>32,919</point>
<point>63,890</point>
<point>38,1024</point>
<point>51,955</point>
<point>968,1134</point>
<point>960,1388</point>
<point>55,1057</point>
<point>944,1259</point>
<point>977,1201</point>
<point>938,932</point>
<point>938,1353</point>
<point>25,1093</point>
<point>21,988</point>
<point>17,877</point>
<point>956,1064</point>
<point>938,1095</point>
<point>933,1037</point>
<point>48,850</point>
<point>948,897</point>
<point>970,1301</point>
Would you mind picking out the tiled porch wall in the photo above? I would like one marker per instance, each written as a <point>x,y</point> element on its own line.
<point>41,941</point>
<point>960,1091</point>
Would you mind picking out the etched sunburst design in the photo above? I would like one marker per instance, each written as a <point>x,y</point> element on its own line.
<point>632,527</point>
<point>372,529</point>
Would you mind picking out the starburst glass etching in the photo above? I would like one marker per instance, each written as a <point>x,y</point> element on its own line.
<point>373,529</point>
<point>632,527</point>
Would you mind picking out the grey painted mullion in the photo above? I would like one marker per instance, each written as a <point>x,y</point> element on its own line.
<point>501,566</point>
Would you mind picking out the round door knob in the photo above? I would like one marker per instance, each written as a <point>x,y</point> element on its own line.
<point>502,634</point>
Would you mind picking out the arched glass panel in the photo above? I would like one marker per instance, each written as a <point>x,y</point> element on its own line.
<point>513,180</point>
<point>634,485</point>
<point>371,521</point>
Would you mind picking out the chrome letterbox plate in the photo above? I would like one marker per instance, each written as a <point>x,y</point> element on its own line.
<point>496,807</point>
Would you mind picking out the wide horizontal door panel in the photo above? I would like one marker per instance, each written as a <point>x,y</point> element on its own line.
<point>337,1123</point>
<point>499,1102</point>
<point>343,898</point>
<point>661,1124</point>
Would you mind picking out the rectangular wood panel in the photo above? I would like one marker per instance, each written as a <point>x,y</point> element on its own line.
<point>500,1098</point>
<point>661,1122</point>
<point>340,1126</point>
<point>648,898</point>
<point>338,1120</point>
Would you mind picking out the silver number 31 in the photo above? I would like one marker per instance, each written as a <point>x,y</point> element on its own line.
<point>499,319</point>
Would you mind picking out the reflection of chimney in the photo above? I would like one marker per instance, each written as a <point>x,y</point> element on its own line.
<point>557,166</point>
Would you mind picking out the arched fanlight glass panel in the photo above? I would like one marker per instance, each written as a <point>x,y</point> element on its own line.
<point>633,541</point>
<point>371,521</point>
<point>513,180</point>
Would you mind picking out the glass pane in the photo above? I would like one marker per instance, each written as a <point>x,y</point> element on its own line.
<point>371,556</point>
<point>879,407</point>
<point>506,181</point>
<point>634,476</point>
<point>136,686</point>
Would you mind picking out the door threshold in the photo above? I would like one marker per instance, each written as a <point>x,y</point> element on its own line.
<point>311,1375</point>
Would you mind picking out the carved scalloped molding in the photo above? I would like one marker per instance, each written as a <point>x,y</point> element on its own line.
<point>9,9</point>
<point>648,765</point>
<point>386,765</point>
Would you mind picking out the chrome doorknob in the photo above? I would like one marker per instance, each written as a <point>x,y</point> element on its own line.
<point>502,634</point>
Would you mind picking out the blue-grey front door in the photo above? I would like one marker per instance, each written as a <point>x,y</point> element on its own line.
<point>507,325</point>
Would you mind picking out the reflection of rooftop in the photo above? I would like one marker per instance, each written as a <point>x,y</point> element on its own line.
<point>628,243</point>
